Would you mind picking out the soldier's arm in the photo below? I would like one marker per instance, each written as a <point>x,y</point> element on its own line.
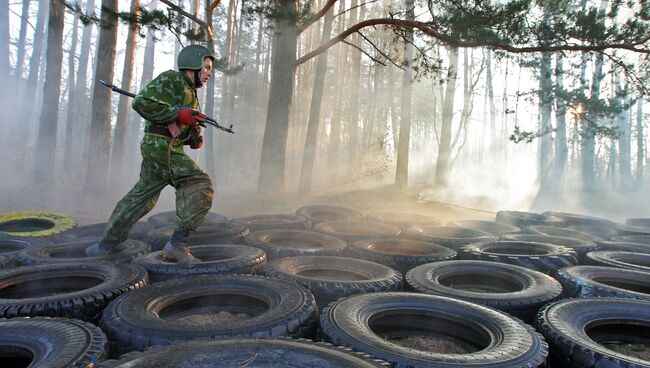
<point>156,101</point>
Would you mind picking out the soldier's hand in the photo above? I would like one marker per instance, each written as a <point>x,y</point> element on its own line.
<point>198,144</point>
<point>189,117</point>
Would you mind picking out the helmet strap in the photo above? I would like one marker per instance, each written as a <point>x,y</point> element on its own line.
<point>197,79</point>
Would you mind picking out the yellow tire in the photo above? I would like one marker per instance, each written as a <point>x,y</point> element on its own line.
<point>35,223</point>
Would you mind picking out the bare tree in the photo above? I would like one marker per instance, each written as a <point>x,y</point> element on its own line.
<point>402,170</point>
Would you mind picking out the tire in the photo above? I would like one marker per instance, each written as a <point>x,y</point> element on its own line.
<point>403,220</point>
<point>633,230</point>
<point>96,232</point>
<point>624,246</point>
<point>606,282</point>
<point>490,227</point>
<point>576,327</point>
<point>571,219</point>
<point>627,260</point>
<point>154,315</point>
<point>351,231</point>
<point>248,352</point>
<point>399,254</point>
<point>75,253</point>
<point>645,222</point>
<point>642,239</point>
<point>518,291</point>
<point>289,243</point>
<point>35,223</point>
<point>546,258</point>
<point>168,218</point>
<point>50,343</point>
<point>522,219</point>
<point>275,221</point>
<point>6,261</point>
<point>595,230</point>
<point>580,246</point>
<point>215,259</point>
<point>11,247</point>
<point>320,213</point>
<point>215,233</point>
<point>489,338</point>
<point>559,231</point>
<point>84,289</point>
<point>448,236</point>
<point>331,278</point>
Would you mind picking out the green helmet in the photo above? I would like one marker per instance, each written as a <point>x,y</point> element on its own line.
<point>191,57</point>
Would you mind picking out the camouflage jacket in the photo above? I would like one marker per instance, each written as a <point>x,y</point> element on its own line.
<point>158,101</point>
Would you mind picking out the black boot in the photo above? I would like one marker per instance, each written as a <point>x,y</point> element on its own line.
<point>103,248</point>
<point>176,249</point>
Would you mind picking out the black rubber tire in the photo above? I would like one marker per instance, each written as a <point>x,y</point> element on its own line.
<point>567,325</point>
<point>641,221</point>
<point>75,253</point>
<point>571,219</point>
<point>448,236</point>
<point>138,319</point>
<point>281,243</point>
<point>331,278</point>
<point>399,254</point>
<point>546,258</point>
<point>606,282</point>
<point>248,352</point>
<point>215,233</point>
<point>522,219</point>
<point>580,246</point>
<point>365,322</point>
<point>83,301</point>
<point>351,231</point>
<point>6,261</point>
<point>516,290</point>
<point>274,221</point>
<point>626,260</point>
<point>490,227</point>
<point>599,231</point>
<point>560,231</point>
<point>96,232</point>
<point>168,218</point>
<point>11,247</point>
<point>51,343</point>
<point>403,220</point>
<point>320,213</point>
<point>642,239</point>
<point>633,230</point>
<point>215,259</point>
<point>624,246</point>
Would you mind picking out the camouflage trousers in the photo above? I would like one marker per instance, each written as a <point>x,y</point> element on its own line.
<point>163,163</point>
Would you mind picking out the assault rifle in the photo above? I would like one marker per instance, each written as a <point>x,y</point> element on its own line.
<point>207,120</point>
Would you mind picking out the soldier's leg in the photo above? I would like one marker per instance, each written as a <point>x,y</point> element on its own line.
<point>194,194</point>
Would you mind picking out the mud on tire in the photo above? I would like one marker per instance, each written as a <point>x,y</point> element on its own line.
<point>372,323</point>
<point>400,254</point>
<point>448,236</point>
<point>279,243</point>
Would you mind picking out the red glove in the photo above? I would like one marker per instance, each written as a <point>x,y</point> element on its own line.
<point>189,117</point>
<point>197,145</point>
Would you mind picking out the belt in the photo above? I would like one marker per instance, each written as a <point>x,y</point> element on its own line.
<point>158,131</point>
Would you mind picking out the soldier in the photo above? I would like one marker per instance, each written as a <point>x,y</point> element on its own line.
<point>169,105</point>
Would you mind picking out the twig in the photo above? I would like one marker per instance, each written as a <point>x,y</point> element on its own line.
<point>379,51</point>
<point>364,52</point>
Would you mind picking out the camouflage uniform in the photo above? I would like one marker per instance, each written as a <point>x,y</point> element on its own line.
<point>164,161</point>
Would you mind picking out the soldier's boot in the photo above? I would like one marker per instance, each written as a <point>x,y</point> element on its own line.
<point>102,248</point>
<point>176,249</point>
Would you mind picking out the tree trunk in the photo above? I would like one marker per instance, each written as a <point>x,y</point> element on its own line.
<point>210,149</point>
<point>624,151</point>
<point>100,130</point>
<point>402,169</point>
<point>640,147</point>
<point>271,178</point>
<point>20,44</point>
<point>313,123</point>
<point>124,106</point>
<point>545,109</point>
<point>46,143</point>
<point>71,107</point>
<point>442,166</point>
<point>355,80</point>
<point>4,50</point>
<point>560,159</point>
